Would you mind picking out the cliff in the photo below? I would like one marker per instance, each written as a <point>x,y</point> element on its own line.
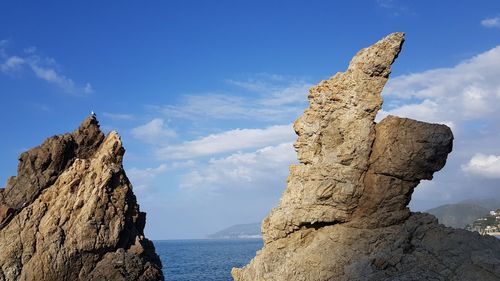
<point>70,213</point>
<point>344,214</point>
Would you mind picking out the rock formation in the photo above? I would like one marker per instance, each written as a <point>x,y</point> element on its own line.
<point>70,213</point>
<point>344,214</point>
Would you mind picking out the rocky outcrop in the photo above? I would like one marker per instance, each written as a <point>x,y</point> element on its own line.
<point>344,214</point>
<point>70,213</point>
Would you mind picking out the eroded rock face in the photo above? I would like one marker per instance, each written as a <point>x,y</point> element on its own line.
<point>344,214</point>
<point>70,213</point>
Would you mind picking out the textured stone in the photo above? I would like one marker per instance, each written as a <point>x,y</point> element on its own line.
<point>335,136</point>
<point>73,213</point>
<point>344,214</point>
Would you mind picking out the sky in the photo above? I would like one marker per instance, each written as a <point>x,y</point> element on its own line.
<point>203,93</point>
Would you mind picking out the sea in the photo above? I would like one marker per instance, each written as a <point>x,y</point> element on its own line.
<point>204,259</point>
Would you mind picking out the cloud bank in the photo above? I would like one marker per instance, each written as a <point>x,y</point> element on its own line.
<point>484,166</point>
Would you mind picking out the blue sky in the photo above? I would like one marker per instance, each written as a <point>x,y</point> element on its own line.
<point>203,92</point>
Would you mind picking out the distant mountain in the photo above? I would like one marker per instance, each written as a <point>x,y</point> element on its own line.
<point>239,231</point>
<point>459,215</point>
<point>490,204</point>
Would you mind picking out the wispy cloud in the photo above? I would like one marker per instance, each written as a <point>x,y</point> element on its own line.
<point>229,141</point>
<point>51,76</point>
<point>255,157</point>
<point>147,173</point>
<point>272,97</point>
<point>12,64</point>
<point>154,132</point>
<point>491,22</point>
<point>275,90</point>
<point>386,3</point>
<point>142,178</point>
<point>255,153</point>
<point>118,116</point>
<point>395,7</point>
<point>43,68</point>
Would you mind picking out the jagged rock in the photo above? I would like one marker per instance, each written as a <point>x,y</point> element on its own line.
<point>344,214</point>
<point>70,213</point>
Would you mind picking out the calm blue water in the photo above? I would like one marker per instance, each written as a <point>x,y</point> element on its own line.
<point>204,260</point>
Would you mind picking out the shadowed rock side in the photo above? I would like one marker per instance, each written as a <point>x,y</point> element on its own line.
<point>70,213</point>
<point>344,214</point>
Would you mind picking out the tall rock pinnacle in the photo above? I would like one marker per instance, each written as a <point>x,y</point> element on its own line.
<point>70,213</point>
<point>344,214</point>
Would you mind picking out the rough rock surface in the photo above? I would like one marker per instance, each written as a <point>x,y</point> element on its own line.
<point>344,214</point>
<point>70,213</point>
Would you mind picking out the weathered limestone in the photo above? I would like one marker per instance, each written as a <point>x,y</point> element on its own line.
<point>70,213</point>
<point>344,215</point>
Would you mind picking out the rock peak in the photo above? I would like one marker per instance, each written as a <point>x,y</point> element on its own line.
<point>344,214</point>
<point>377,59</point>
<point>90,122</point>
<point>72,204</point>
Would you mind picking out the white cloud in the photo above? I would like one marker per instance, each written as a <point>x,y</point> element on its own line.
<point>50,75</point>
<point>208,105</point>
<point>418,111</point>
<point>263,168</point>
<point>88,89</point>
<point>275,90</point>
<point>42,68</point>
<point>395,7</point>
<point>145,179</point>
<point>278,97</point>
<point>147,173</point>
<point>142,178</point>
<point>426,110</point>
<point>30,50</point>
<point>468,91</point>
<point>491,22</point>
<point>292,94</point>
<point>227,107</point>
<point>12,64</point>
<point>482,165</point>
<point>465,97</point>
<point>386,3</point>
<point>228,141</point>
<point>154,132</point>
<point>118,116</point>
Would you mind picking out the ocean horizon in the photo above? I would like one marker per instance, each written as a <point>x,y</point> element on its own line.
<point>204,259</point>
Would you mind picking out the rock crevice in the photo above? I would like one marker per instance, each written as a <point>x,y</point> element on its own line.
<point>344,214</point>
